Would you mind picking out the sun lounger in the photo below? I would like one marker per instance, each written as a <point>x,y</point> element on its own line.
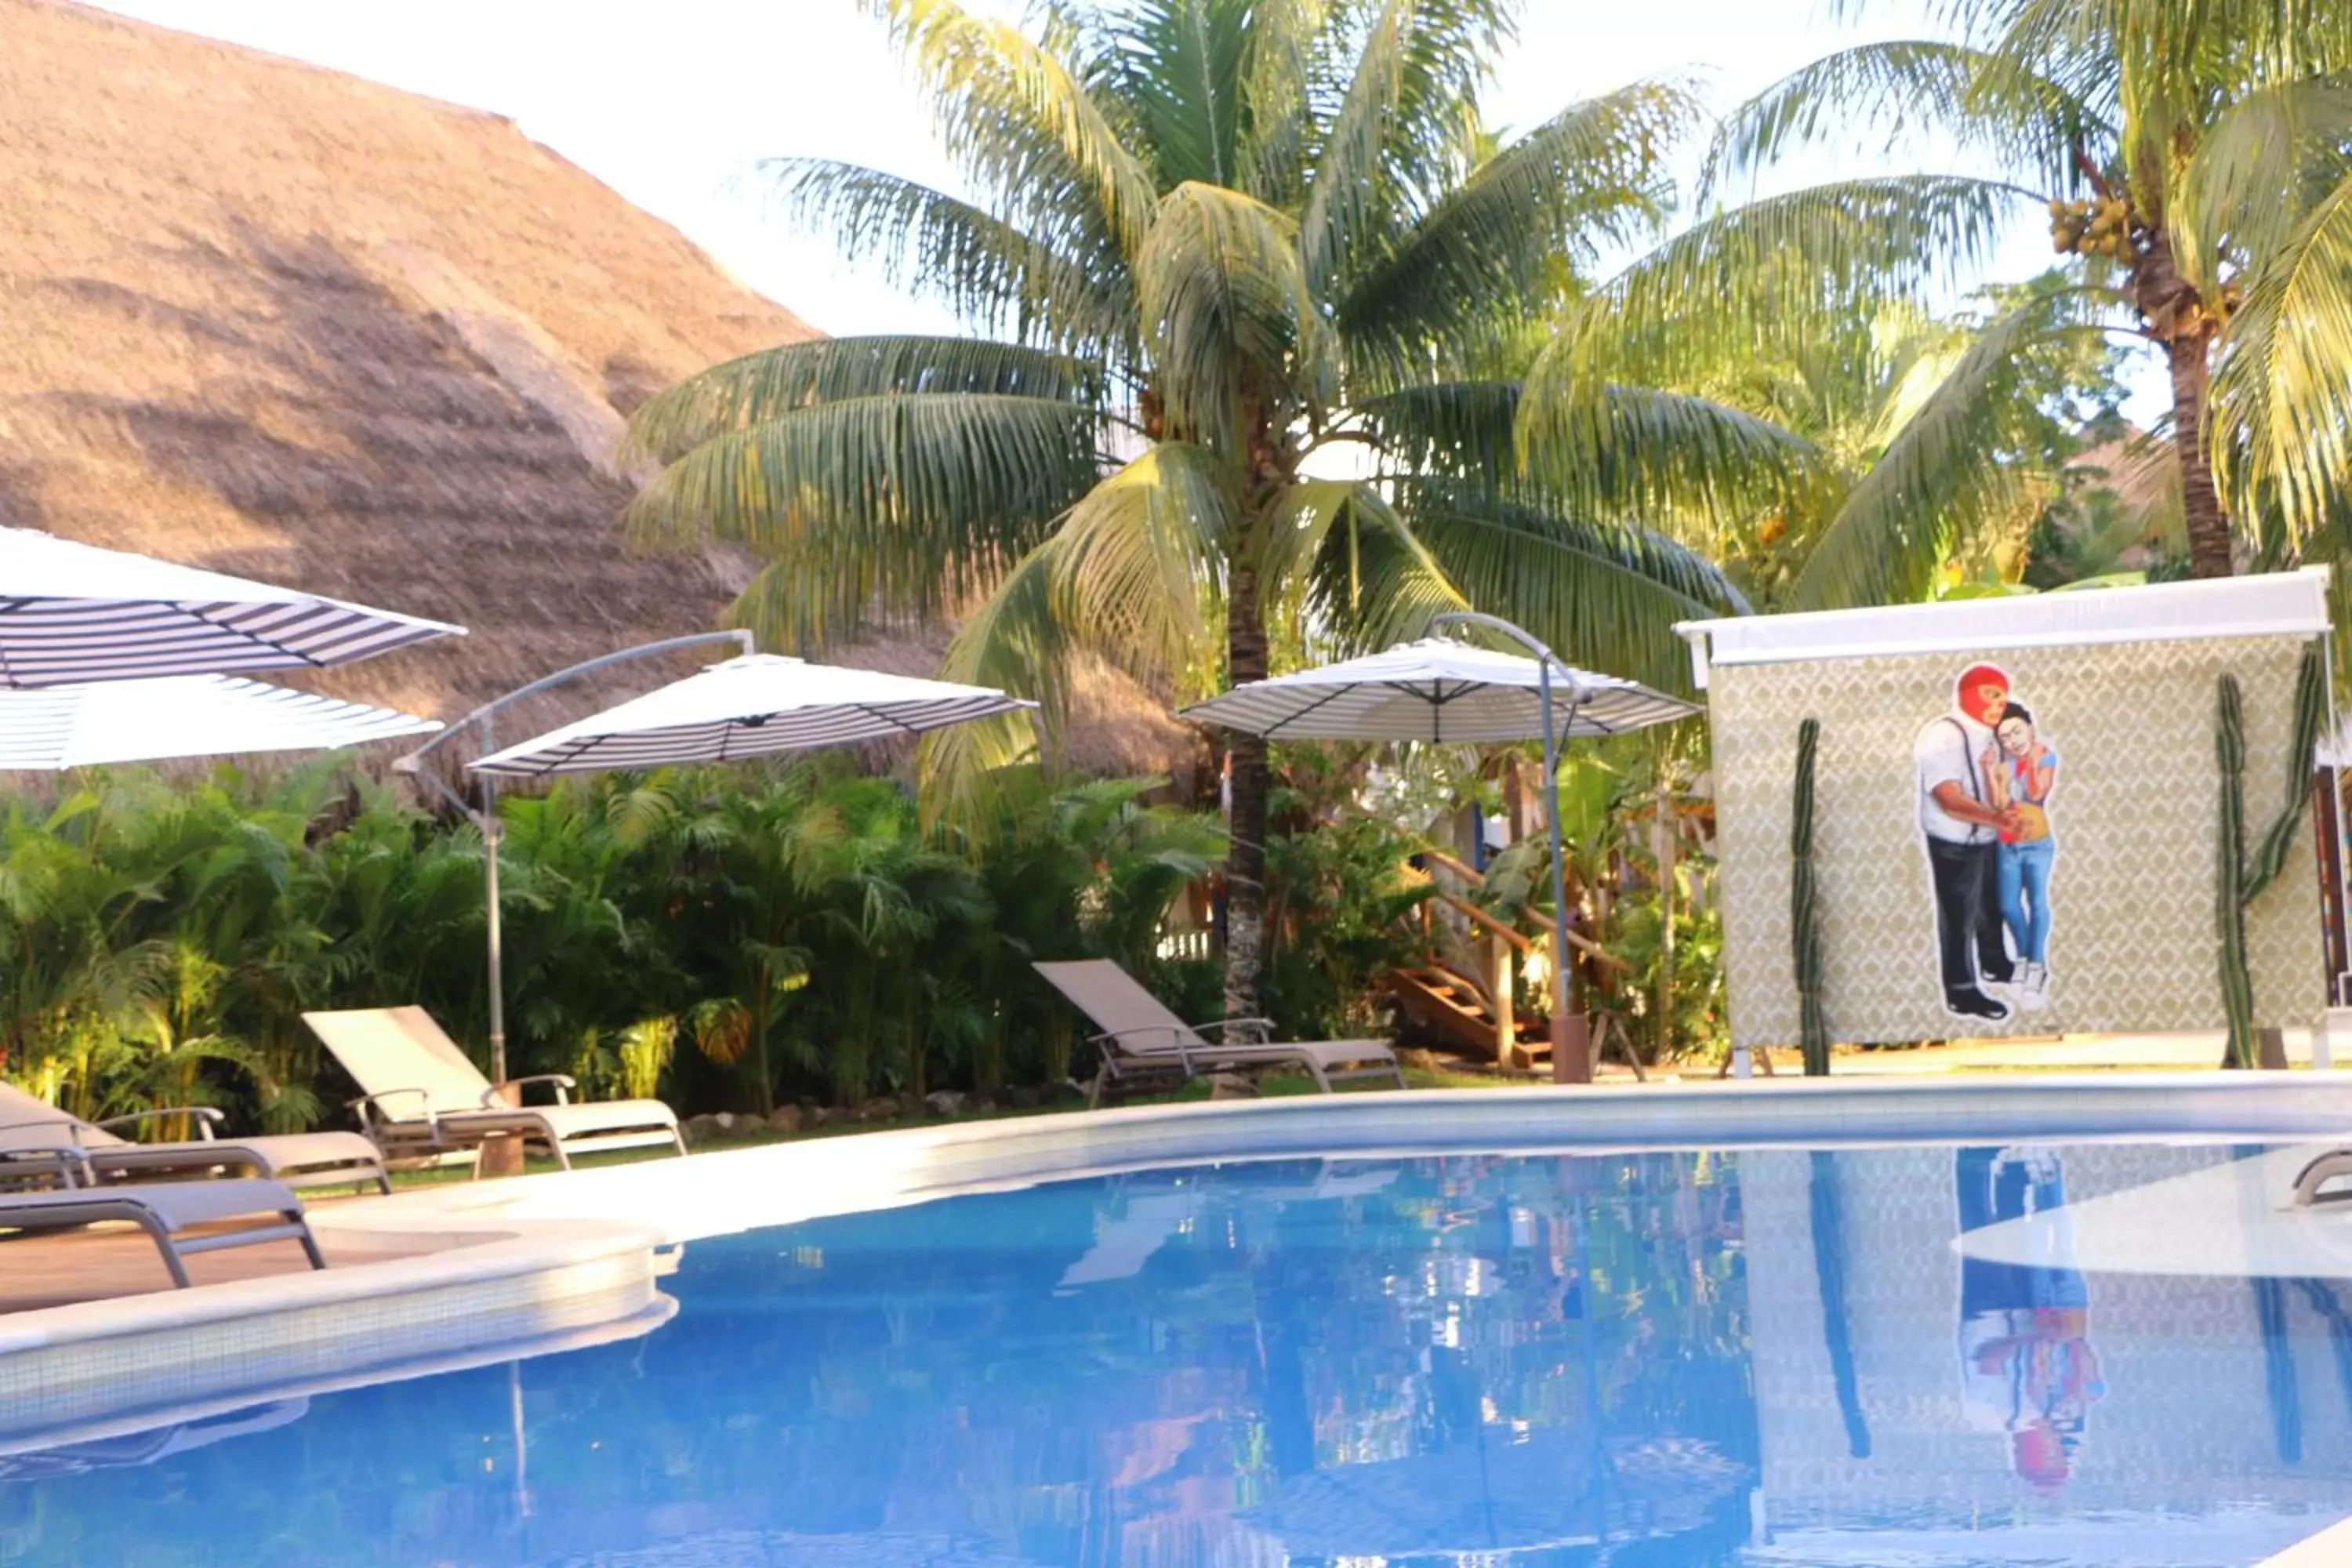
<point>421,1095</point>
<point>38,1142</point>
<point>1140,1037</point>
<point>169,1211</point>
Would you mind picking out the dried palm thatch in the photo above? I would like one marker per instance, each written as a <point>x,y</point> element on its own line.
<point>279,320</point>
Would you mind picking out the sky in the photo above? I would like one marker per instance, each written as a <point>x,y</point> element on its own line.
<point>674,104</point>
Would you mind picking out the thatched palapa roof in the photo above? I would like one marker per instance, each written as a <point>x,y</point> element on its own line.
<point>278,320</point>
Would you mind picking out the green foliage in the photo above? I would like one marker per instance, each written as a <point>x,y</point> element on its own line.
<point>1242,222</point>
<point>723,938</point>
<point>1699,1028</point>
<point>1338,907</point>
<point>2209,142</point>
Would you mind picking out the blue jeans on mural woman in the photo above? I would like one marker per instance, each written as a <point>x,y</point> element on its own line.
<point>2023,874</point>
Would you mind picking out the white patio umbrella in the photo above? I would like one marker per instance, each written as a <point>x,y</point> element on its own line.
<point>72,613</point>
<point>754,706</point>
<point>1449,692</point>
<point>181,716</point>
<point>1440,692</point>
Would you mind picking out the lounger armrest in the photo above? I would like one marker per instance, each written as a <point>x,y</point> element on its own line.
<point>72,1160</point>
<point>1171,1042</point>
<point>65,1124</point>
<point>493,1097</point>
<point>1120,1036</point>
<point>1264,1026</point>
<point>208,1118</point>
<point>368,1103</point>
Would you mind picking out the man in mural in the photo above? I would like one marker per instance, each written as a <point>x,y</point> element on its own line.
<point>2028,1370</point>
<point>1962,823</point>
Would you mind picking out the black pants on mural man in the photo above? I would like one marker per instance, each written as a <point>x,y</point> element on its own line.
<point>1968,916</point>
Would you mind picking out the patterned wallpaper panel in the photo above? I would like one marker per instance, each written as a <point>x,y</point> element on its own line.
<point>2134,815</point>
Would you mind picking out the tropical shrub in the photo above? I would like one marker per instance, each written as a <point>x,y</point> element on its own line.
<point>728,939</point>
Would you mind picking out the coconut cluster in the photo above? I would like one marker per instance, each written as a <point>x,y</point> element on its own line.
<point>2100,228</point>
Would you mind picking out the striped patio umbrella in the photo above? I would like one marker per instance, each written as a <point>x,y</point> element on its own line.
<point>755,706</point>
<point>181,716</point>
<point>72,613</point>
<point>1439,691</point>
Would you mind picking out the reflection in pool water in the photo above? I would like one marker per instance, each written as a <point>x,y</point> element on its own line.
<point>2027,1367</point>
<point>1637,1359</point>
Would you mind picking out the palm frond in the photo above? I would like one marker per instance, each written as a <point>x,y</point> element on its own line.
<point>1062,283</point>
<point>758,387</point>
<point>2281,407</point>
<point>1605,597</point>
<point>1227,309</point>
<point>1279,87</point>
<point>1129,577</point>
<point>1400,136</point>
<point>1179,67</point>
<point>1292,533</point>
<point>909,503</point>
<point>1136,558</point>
<point>1015,117</point>
<point>1769,276</point>
<point>1371,581</point>
<point>2247,186</point>
<point>1949,470</point>
<point>1489,253</point>
<point>1015,643</point>
<point>1875,97</point>
<point>1665,457</point>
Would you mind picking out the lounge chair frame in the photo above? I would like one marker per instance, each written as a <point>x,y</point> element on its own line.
<point>297,1160</point>
<point>167,1211</point>
<point>418,1122</point>
<point>1139,1054</point>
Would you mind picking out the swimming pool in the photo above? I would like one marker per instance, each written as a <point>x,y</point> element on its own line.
<point>1757,1356</point>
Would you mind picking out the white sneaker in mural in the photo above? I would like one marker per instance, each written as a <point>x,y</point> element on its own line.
<point>2032,993</point>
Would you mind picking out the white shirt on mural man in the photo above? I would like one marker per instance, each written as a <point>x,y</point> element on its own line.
<point>1944,753</point>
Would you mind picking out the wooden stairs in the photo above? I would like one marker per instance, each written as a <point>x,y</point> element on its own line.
<point>1453,1011</point>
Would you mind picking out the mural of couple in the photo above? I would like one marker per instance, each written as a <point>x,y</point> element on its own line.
<point>1986,773</point>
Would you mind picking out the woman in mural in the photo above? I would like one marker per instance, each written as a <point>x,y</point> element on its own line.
<point>2020,769</point>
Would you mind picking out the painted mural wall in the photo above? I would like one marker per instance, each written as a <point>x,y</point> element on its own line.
<point>2017,843</point>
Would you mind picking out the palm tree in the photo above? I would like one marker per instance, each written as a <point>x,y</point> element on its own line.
<point>1238,261</point>
<point>2194,154</point>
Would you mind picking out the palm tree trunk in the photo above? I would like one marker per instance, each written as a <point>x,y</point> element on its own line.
<point>2209,529</point>
<point>1245,659</point>
<point>2173,313</point>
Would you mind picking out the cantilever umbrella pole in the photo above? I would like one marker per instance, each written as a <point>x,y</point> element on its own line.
<point>486,816</point>
<point>1577,1064</point>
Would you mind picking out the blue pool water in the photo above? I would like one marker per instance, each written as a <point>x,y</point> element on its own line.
<point>1767,1358</point>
